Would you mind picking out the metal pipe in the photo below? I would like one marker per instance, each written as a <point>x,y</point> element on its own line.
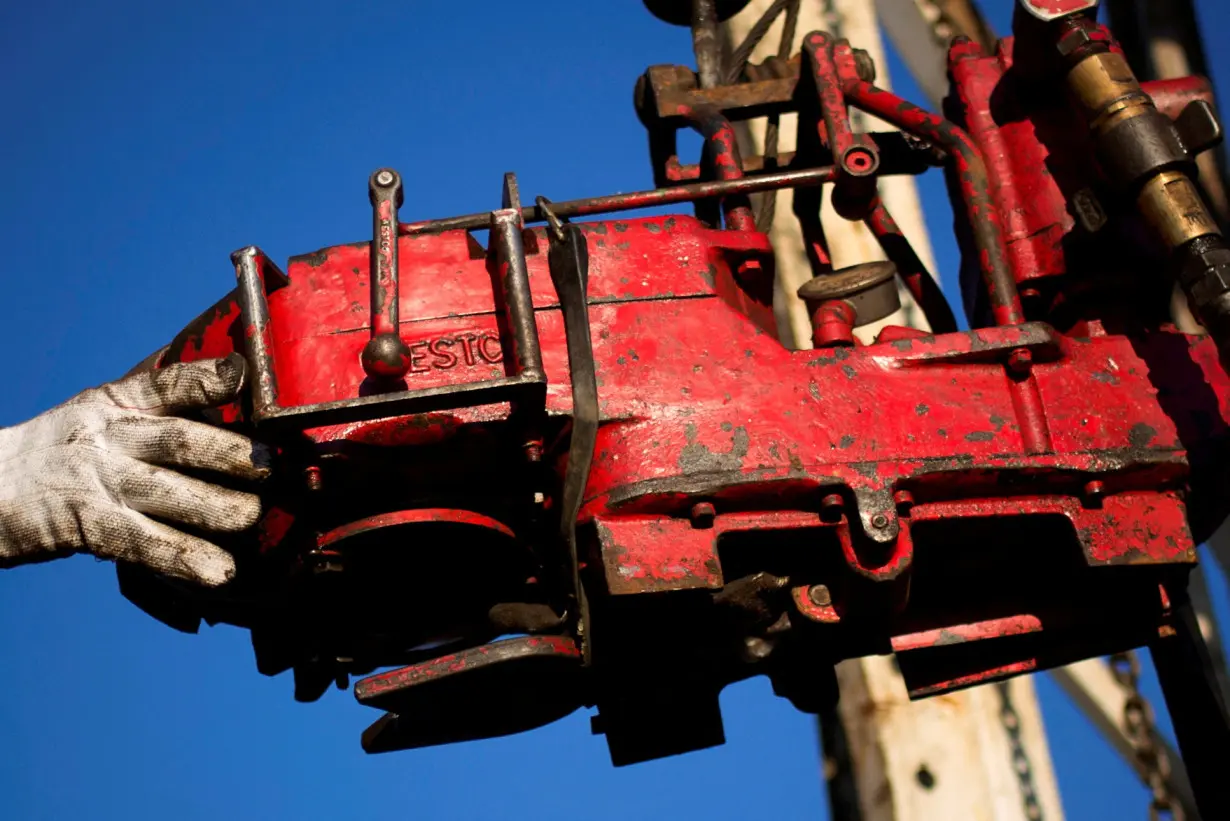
<point>705,43</point>
<point>514,281</point>
<point>981,210</point>
<point>613,203</point>
<point>723,156</point>
<point>918,280</point>
<point>385,357</point>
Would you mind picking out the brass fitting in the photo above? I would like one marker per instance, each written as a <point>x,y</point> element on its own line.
<point>1143,155</point>
<point>1171,204</point>
<point>1106,91</point>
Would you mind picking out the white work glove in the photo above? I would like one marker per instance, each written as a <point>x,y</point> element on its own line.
<point>88,475</point>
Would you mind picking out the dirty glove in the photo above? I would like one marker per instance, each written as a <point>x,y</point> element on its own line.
<point>96,475</point>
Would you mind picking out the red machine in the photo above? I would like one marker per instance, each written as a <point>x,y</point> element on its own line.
<point>574,466</point>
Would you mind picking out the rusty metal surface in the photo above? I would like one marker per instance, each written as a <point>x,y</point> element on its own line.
<point>683,502</point>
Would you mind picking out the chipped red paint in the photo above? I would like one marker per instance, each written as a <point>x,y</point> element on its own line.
<point>961,633</point>
<point>655,554</point>
<point>722,147</point>
<point>832,324</point>
<point>875,494</point>
<point>854,154</point>
<point>384,271</point>
<point>699,404</point>
<point>918,280</point>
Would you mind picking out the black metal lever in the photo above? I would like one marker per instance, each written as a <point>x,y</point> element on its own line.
<point>568,259</point>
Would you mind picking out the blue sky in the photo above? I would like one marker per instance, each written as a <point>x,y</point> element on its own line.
<point>144,142</point>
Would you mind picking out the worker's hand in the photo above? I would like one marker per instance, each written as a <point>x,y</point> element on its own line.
<point>88,475</point>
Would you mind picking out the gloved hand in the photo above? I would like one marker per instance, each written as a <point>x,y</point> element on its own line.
<point>86,476</point>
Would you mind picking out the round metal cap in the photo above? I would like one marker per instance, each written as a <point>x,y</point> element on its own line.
<point>846,282</point>
<point>870,288</point>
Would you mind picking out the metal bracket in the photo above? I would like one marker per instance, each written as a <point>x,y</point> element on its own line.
<point>526,386</point>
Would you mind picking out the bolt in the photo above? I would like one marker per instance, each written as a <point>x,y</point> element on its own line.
<point>1094,491</point>
<point>864,66</point>
<point>819,595</point>
<point>879,521</point>
<point>1020,360</point>
<point>384,178</point>
<point>831,507</point>
<point>702,515</point>
<point>1072,39</point>
<point>313,478</point>
<point>904,501</point>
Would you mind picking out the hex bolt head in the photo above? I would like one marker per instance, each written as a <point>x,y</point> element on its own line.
<point>312,477</point>
<point>703,515</point>
<point>1094,491</point>
<point>819,595</point>
<point>879,521</point>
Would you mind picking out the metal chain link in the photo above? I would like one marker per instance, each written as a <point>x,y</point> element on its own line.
<point>1141,731</point>
<point>1021,765</point>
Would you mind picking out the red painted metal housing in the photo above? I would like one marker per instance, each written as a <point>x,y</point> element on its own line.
<point>981,503</point>
<point>701,403</point>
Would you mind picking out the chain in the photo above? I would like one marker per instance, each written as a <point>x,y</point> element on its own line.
<point>1021,765</point>
<point>1138,724</point>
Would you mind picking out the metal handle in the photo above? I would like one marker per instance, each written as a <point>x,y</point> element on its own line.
<point>385,357</point>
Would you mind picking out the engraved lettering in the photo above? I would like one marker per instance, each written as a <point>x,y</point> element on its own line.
<point>467,347</point>
<point>385,258</point>
<point>416,358</point>
<point>444,358</point>
<point>497,356</point>
<point>446,352</point>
